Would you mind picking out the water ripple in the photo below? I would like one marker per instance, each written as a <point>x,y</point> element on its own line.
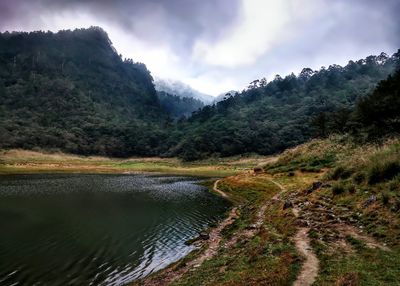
<point>97,229</point>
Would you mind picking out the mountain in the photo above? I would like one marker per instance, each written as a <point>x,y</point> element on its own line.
<point>181,89</point>
<point>270,117</point>
<point>71,91</point>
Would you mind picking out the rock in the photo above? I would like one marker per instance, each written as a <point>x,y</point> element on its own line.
<point>369,201</point>
<point>315,186</point>
<point>287,204</point>
<point>204,235</point>
<point>252,226</point>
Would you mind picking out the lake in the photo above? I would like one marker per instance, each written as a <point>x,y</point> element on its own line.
<point>98,229</point>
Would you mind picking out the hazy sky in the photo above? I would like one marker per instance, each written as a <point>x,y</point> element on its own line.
<point>220,45</point>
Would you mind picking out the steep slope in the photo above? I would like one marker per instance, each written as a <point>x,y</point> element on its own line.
<point>269,117</point>
<point>71,91</point>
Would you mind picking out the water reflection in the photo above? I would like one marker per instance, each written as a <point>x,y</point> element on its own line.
<point>97,229</point>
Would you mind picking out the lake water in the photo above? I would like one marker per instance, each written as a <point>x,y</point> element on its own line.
<point>97,229</point>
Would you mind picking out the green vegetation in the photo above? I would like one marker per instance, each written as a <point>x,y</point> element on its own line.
<point>270,117</point>
<point>361,186</point>
<point>374,116</point>
<point>70,91</point>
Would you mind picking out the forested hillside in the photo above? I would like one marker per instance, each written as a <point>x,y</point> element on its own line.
<point>71,91</point>
<point>269,117</point>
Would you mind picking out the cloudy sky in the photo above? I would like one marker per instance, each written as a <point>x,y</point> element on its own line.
<point>220,45</point>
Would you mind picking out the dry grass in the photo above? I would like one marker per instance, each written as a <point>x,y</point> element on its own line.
<point>23,161</point>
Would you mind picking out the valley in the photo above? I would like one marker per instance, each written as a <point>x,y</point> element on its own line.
<point>159,145</point>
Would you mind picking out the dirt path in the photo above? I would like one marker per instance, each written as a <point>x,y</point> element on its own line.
<point>369,241</point>
<point>252,230</point>
<point>309,270</point>
<point>217,190</point>
<point>310,267</point>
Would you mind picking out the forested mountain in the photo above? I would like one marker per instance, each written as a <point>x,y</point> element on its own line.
<point>177,106</point>
<point>375,115</point>
<point>71,91</point>
<point>269,117</point>
<point>181,89</point>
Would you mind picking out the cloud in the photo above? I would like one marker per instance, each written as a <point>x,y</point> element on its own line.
<point>219,45</point>
<point>254,34</point>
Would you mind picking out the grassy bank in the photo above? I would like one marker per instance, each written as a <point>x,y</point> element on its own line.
<point>345,194</point>
<point>28,162</point>
<point>355,214</point>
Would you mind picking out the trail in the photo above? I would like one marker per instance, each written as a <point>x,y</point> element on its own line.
<point>310,267</point>
<point>369,241</point>
<point>252,230</point>
<point>217,190</point>
<point>309,270</point>
<point>319,218</point>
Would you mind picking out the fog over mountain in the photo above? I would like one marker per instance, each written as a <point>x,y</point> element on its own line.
<point>181,89</point>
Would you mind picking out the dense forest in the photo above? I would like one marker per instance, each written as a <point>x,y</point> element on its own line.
<point>270,117</point>
<point>374,116</point>
<point>71,91</point>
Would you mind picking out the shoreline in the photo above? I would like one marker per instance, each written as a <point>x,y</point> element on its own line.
<point>205,250</point>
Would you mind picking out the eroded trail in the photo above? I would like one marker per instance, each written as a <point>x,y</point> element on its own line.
<point>320,214</point>
<point>310,267</point>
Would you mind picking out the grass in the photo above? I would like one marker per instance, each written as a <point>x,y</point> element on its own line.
<point>268,258</point>
<point>28,162</point>
<point>354,175</point>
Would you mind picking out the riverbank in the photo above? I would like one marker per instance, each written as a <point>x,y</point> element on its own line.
<point>29,162</point>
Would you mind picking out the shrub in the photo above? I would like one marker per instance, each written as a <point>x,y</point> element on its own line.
<point>338,188</point>
<point>383,170</point>
<point>385,198</point>
<point>340,173</point>
<point>394,185</point>
<point>351,188</point>
<point>358,178</point>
